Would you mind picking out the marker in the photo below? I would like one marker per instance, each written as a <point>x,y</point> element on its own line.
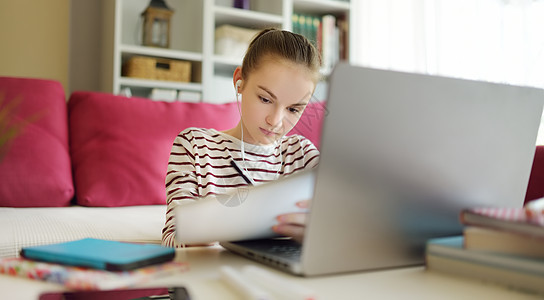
<point>237,281</point>
<point>534,209</point>
<point>285,288</point>
<point>536,205</point>
<point>235,166</point>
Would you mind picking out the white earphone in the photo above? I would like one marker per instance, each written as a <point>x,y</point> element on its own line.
<point>238,83</point>
<point>242,150</point>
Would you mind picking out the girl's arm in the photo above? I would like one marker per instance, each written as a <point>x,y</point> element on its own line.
<point>181,184</point>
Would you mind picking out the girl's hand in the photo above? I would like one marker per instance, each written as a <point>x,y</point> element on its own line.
<point>292,224</point>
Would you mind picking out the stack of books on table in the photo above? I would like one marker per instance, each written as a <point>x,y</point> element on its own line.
<point>93,264</point>
<point>498,245</point>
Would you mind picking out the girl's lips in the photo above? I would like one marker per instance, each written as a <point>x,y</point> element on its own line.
<point>267,132</point>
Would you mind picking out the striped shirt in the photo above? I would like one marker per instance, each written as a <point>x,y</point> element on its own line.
<point>200,166</point>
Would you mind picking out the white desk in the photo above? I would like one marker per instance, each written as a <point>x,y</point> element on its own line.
<point>203,282</point>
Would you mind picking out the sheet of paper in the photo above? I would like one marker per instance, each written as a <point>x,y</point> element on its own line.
<point>249,213</point>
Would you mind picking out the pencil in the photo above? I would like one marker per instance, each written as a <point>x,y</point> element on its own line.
<point>235,166</point>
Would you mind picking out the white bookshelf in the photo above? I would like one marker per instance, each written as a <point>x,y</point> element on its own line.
<point>192,39</point>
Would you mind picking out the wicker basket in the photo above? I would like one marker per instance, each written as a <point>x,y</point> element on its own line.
<point>157,68</point>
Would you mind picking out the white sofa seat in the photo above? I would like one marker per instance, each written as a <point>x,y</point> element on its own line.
<point>21,227</point>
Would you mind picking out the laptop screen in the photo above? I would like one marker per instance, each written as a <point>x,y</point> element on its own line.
<point>402,154</point>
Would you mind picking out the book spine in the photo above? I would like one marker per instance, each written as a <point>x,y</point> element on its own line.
<point>509,219</point>
<point>343,28</point>
<point>328,24</point>
<point>318,34</point>
<point>502,241</point>
<point>516,280</point>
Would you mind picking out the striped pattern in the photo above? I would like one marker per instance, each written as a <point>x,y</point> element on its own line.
<point>200,165</point>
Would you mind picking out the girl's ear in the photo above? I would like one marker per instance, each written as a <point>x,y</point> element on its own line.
<point>237,79</point>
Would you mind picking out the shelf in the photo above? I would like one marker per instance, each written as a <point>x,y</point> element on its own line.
<point>225,65</point>
<point>320,6</point>
<point>244,18</point>
<point>148,83</point>
<point>193,39</point>
<point>160,52</point>
<point>227,61</point>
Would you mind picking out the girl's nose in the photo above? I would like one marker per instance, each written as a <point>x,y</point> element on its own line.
<point>275,118</point>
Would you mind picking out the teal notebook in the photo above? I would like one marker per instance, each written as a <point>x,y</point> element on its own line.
<point>100,254</point>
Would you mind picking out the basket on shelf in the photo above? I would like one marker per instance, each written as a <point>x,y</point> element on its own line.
<point>157,69</point>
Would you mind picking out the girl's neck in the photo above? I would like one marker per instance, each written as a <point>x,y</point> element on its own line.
<point>235,132</point>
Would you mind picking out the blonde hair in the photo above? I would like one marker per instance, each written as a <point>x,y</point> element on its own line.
<point>282,44</point>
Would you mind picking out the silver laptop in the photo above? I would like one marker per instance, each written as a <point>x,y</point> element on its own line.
<point>401,155</point>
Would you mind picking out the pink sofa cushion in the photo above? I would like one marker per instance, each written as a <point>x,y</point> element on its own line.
<point>120,146</point>
<point>36,170</point>
<point>311,122</point>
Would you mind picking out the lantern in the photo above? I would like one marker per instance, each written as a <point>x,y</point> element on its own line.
<point>156,26</point>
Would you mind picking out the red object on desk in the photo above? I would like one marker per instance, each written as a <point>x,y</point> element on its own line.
<point>535,188</point>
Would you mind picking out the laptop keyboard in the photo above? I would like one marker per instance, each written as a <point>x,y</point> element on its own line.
<point>282,247</point>
<point>287,251</point>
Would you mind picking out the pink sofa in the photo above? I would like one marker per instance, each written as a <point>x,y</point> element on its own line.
<point>94,166</point>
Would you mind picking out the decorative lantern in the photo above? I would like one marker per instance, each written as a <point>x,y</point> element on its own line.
<point>156,31</point>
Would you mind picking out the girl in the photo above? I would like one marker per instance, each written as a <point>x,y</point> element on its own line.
<point>276,81</point>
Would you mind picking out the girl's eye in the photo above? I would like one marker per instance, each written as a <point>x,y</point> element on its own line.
<point>264,100</point>
<point>293,110</point>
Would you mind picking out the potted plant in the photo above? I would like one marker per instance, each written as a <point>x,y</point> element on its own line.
<point>8,127</point>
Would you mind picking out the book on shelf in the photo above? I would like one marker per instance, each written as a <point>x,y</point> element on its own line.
<point>448,255</point>
<point>343,38</point>
<point>328,33</point>
<point>503,241</point>
<point>308,26</point>
<point>330,42</point>
<point>189,96</point>
<point>81,278</point>
<point>168,95</point>
<point>510,219</point>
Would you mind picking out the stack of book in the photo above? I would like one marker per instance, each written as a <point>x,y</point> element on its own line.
<point>329,33</point>
<point>93,264</point>
<point>499,245</point>
<point>83,278</point>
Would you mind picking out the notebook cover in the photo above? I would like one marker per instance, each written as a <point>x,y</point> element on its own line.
<point>509,219</point>
<point>100,254</point>
<point>81,278</point>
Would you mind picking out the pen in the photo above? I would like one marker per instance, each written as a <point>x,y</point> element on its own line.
<point>235,166</point>
<point>535,209</point>
<point>285,288</point>
<point>236,280</point>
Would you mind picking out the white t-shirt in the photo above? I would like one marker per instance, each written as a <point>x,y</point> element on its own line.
<point>200,165</point>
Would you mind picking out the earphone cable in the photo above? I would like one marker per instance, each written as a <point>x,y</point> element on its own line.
<point>242,150</point>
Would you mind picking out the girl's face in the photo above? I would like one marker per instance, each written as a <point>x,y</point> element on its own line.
<point>273,99</point>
